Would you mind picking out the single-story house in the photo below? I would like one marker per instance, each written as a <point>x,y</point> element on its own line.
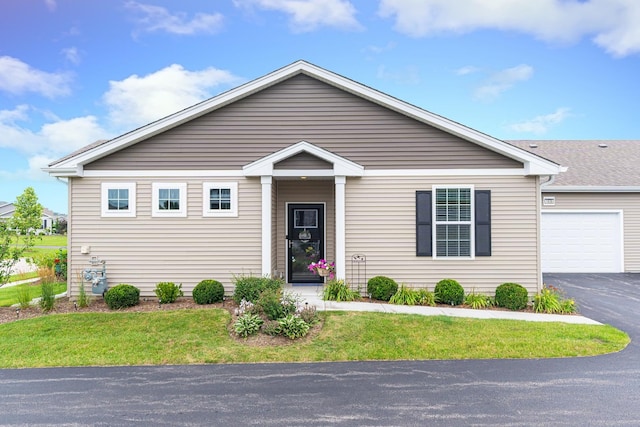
<point>48,217</point>
<point>298,165</point>
<point>591,212</point>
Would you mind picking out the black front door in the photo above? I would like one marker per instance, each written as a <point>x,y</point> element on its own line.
<point>305,241</point>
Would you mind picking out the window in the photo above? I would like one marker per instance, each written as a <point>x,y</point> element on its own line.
<point>169,199</point>
<point>453,222</point>
<point>458,217</point>
<point>220,199</point>
<point>118,199</point>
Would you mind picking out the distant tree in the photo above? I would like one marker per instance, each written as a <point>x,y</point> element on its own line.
<point>27,217</point>
<point>61,226</point>
<point>17,234</point>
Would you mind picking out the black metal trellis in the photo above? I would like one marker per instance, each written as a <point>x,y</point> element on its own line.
<point>359,272</point>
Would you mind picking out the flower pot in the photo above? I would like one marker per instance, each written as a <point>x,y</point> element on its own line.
<point>322,272</point>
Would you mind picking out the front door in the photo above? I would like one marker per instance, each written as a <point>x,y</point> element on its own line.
<point>305,241</point>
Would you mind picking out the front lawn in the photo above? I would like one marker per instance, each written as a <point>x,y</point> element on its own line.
<point>9,294</point>
<point>196,336</point>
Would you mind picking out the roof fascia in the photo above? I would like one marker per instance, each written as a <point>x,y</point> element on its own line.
<point>591,189</point>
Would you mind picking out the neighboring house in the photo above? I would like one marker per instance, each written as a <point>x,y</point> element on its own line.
<point>591,212</point>
<point>298,165</point>
<point>48,217</point>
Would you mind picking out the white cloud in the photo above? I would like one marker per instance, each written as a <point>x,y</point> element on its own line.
<point>156,18</point>
<point>502,81</point>
<point>17,77</point>
<point>52,140</point>
<point>309,15</point>
<point>51,4</point>
<point>137,100</point>
<point>541,124</point>
<point>612,24</point>
<point>409,75</point>
<point>380,49</point>
<point>72,55</point>
<point>468,69</point>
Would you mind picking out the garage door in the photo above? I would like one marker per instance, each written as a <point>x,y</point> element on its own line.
<point>581,242</point>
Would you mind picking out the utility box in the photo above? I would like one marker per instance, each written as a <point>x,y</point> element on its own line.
<point>97,277</point>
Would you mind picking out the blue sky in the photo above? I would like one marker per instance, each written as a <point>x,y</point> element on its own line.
<point>73,72</point>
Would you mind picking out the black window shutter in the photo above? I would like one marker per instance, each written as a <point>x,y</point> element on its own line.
<point>423,223</point>
<point>483,222</point>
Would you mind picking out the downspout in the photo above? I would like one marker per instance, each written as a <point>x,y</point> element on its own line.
<point>69,259</point>
<point>547,183</point>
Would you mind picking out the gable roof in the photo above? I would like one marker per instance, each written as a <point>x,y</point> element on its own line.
<point>72,165</point>
<point>592,165</point>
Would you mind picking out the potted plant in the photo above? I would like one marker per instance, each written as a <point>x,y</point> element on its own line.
<point>323,268</point>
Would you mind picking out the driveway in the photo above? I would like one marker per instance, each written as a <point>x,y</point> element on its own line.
<point>593,391</point>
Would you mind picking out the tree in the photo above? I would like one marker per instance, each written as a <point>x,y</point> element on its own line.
<point>17,234</point>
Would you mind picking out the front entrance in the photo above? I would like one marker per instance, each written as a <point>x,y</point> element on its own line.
<point>305,241</point>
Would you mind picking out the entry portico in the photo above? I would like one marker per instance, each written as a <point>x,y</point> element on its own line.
<point>315,163</point>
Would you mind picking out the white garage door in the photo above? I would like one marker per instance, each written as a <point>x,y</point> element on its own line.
<point>581,242</point>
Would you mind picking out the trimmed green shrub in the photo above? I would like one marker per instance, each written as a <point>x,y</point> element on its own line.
<point>512,296</point>
<point>208,291</point>
<point>122,296</point>
<point>381,288</point>
<point>249,288</point>
<point>449,291</point>
<point>168,292</point>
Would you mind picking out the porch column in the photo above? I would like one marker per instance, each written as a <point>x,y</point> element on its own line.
<point>266,224</point>
<point>341,256</point>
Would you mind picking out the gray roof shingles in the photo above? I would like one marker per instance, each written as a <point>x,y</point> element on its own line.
<point>598,163</point>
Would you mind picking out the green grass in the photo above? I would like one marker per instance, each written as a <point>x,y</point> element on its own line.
<point>23,276</point>
<point>200,336</point>
<point>51,240</point>
<point>9,294</point>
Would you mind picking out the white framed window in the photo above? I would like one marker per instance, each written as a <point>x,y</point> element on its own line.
<point>169,199</point>
<point>220,199</point>
<point>453,209</point>
<point>118,199</point>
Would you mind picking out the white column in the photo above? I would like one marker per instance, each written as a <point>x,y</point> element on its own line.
<point>341,256</point>
<point>266,224</point>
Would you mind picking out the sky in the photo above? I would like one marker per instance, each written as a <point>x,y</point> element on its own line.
<point>76,71</point>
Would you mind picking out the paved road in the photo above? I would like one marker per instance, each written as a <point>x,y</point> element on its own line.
<point>597,391</point>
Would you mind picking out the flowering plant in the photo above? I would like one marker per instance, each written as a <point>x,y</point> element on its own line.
<point>324,265</point>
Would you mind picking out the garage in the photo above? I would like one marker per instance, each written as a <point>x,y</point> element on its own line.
<point>582,242</point>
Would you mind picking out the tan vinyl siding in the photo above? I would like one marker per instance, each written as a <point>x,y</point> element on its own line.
<point>629,203</point>
<point>381,225</point>
<point>311,191</point>
<point>303,108</point>
<point>146,250</point>
<point>303,161</point>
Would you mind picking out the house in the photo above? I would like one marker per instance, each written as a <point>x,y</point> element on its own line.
<point>48,217</point>
<point>591,212</point>
<point>298,165</point>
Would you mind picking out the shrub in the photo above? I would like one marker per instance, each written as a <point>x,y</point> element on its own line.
<point>309,314</point>
<point>550,300</point>
<point>381,288</point>
<point>512,296</point>
<point>478,301</point>
<point>168,292</point>
<point>122,296</point>
<point>208,291</point>
<point>247,324</point>
<point>449,291</point>
<point>48,297</point>
<point>404,296</point>
<point>337,290</point>
<point>270,304</point>
<point>293,327</point>
<point>23,293</point>
<point>271,327</point>
<point>250,287</point>
<point>425,297</point>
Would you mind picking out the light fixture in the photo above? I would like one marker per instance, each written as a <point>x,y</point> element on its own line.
<point>303,178</point>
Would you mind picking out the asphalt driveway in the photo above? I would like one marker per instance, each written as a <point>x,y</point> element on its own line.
<point>591,391</point>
